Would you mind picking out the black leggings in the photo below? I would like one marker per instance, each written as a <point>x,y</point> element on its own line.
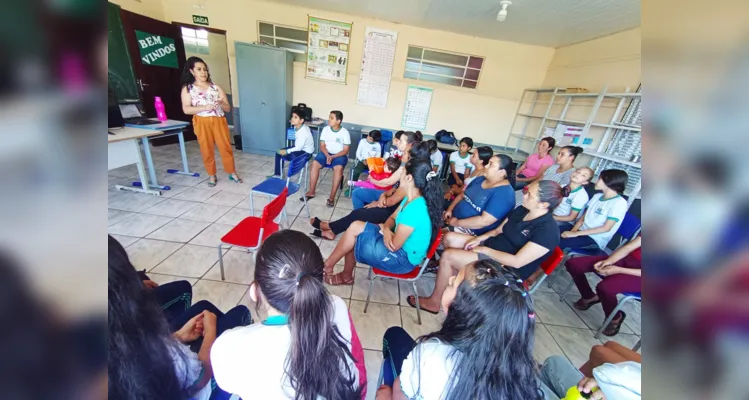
<point>375,215</point>
<point>237,316</point>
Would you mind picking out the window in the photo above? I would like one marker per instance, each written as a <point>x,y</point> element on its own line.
<point>442,67</point>
<point>196,40</point>
<point>287,37</point>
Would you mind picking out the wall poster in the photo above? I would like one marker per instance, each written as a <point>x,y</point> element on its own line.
<point>328,49</point>
<point>416,109</point>
<point>376,67</point>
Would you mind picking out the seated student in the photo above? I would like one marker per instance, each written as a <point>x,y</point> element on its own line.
<point>146,361</point>
<point>334,145</point>
<point>391,165</point>
<point>401,243</point>
<point>482,351</point>
<point>435,155</point>
<point>307,347</point>
<point>603,215</point>
<point>619,381</point>
<point>621,272</point>
<point>368,147</point>
<point>479,159</point>
<point>486,201</point>
<point>303,143</point>
<point>460,162</point>
<point>575,197</point>
<point>521,243</point>
<point>394,149</point>
<point>534,167</point>
<point>561,172</point>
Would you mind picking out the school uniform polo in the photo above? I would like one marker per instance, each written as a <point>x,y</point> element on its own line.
<point>461,163</point>
<point>575,201</point>
<point>599,211</point>
<point>517,233</point>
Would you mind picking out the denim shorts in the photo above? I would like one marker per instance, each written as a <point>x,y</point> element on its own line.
<point>338,161</point>
<point>370,249</point>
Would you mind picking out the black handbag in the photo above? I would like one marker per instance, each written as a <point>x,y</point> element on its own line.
<point>444,136</point>
<point>304,110</point>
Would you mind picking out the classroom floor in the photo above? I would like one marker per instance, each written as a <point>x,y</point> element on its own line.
<point>174,237</point>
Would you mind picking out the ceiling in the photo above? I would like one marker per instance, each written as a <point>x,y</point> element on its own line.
<point>548,23</point>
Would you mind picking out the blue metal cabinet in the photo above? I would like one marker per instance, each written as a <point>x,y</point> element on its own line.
<point>264,75</point>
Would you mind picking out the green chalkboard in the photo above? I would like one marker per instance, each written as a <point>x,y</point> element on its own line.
<point>121,74</point>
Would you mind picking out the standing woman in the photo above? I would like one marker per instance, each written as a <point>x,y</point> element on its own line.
<point>536,164</point>
<point>207,103</point>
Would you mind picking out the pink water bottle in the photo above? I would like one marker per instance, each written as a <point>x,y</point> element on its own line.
<point>160,109</point>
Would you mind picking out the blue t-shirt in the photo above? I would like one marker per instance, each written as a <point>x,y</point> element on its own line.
<point>416,215</point>
<point>498,202</point>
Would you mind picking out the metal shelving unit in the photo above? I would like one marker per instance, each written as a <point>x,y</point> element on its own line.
<point>607,153</point>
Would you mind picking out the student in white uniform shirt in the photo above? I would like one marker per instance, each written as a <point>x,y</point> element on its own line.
<point>603,215</point>
<point>335,141</point>
<point>575,198</point>
<point>307,347</point>
<point>435,155</point>
<point>460,162</point>
<point>368,147</point>
<point>303,143</point>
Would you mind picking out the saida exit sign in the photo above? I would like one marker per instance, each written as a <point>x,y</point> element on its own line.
<point>200,20</point>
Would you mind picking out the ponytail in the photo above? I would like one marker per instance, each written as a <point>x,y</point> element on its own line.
<point>506,163</point>
<point>288,272</point>
<point>428,183</point>
<point>574,150</point>
<point>566,191</point>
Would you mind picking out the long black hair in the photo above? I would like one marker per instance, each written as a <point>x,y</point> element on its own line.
<point>141,362</point>
<point>485,154</point>
<point>430,188</point>
<point>187,78</point>
<point>490,325</point>
<point>615,179</point>
<point>288,271</point>
<point>574,151</point>
<point>506,163</point>
<point>419,151</point>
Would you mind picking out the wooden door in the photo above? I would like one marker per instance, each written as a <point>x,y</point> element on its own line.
<point>158,56</point>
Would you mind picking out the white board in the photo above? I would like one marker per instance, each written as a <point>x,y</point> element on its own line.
<point>376,67</point>
<point>416,109</point>
<point>328,49</point>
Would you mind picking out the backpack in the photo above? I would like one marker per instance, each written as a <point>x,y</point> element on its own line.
<point>306,111</point>
<point>444,136</point>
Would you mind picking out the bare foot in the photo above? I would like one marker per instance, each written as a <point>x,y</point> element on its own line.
<point>328,235</point>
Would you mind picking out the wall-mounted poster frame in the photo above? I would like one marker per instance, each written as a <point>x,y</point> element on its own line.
<point>328,49</point>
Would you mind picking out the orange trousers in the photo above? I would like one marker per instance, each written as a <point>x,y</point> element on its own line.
<point>214,131</point>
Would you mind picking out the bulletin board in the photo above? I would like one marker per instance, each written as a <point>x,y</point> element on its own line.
<point>328,49</point>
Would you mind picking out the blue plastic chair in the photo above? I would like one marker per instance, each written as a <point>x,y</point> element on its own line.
<point>636,296</point>
<point>273,187</point>
<point>387,137</point>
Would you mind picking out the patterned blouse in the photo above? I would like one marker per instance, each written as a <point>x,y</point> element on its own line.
<point>551,174</point>
<point>201,98</point>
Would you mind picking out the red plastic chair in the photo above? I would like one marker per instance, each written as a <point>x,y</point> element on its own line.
<point>547,268</point>
<point>412,276</point>
<point>252,230</point>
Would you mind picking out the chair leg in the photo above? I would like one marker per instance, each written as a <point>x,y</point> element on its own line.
<point>608,320</point>
<point>252,204</point>
<point>369,293</point>
<point>637,345</point>
<point>306,207</point>
<point>351,189</point>
<point>382,374</point>
<point>418,307</point>
<point>369,274</point>
<point>567,289</point>
<point>221,261</point>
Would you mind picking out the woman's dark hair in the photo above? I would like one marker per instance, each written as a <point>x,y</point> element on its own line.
<point>552,193</point>
<point>550,141</point>
<point>376,135</point>
<point>505,163</point>
<point>409,137</point>
<point>615,179</point>
<point>298,114</point>
<point>432,145</point>
<point>430,188</point>
<point>288,271</point>
<point>393,163</point>
<point>491,327</point>
<point>418,136</point>
<point>419,151</point>
<point>398,134</point>
<point>574,150</point>
<point>187,78</point>
<point>485,154</point>
<point>141,362</point>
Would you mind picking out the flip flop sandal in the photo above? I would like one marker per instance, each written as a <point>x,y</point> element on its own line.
<point>236,180</point>
<point>212,183</point>
<point>330,203</point>
<point>307,197</point>
<point>318,233</point>
<point>615,331</point>
<point>335,280</point>
<point>411,300</point>
<point>588,305</point>
<point>316,223</point>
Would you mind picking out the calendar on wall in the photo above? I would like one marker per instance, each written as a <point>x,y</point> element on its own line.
<point>376,67</point>
<point>328,50</point>
<point>416,109</point>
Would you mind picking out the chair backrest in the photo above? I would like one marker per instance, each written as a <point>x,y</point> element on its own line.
<point>290,133</point>
<point>629,227</point>
<point>297,165</point>
<point>273,209</point>
<point>552,262</point>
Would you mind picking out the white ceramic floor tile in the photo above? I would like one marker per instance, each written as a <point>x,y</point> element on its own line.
<point>234,216</point>
<point>258,315</point>
<point>429,322</point>
<point>576,343</point>
<point>372,362</point>
<point>323,212</point>
<point>130,201</point>
<point>206,213</point>
<point>223,295</point>
<point>115,216</point>
<point>211,236</point>
<point>259,202</point>
<point>551,311</point>
<point>339,213</point>
<point>238,268</point>
<point>148,253</point>
<point>623,339</point>
<point>238,188</point>
<point>173,191</point>
<point>326,246</point>
<point>425,284</point>
<point>138,225</point>
<point>191,261</point>
<point>544,345</point>
<point>633,309</point>
<point>171,208</point>
<point>383,290</point>
<point>342,291</point>
<point>179,230</point>
<point>199,194</point>
<point>593,317</point>
<point>225,198</point>
<point>162,279</point>
<point>372,325</point>
<point>125,240</point>
<point>183,180</point>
